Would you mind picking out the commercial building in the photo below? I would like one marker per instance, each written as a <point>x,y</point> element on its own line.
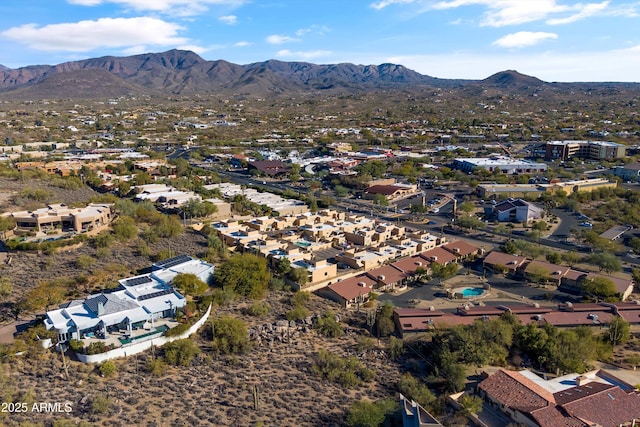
<point>516,210</point>
<point>506,165</point>
<point>594,150</point>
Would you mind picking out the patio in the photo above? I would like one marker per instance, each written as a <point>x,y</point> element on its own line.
<point>121,337</point>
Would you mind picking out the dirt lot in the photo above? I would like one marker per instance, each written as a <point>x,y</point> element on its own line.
<point>216,390</point>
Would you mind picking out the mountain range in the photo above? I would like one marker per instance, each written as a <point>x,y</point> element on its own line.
<point>182,72</point>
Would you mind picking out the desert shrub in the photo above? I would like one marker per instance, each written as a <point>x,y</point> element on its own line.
<point>348,372</point>
<point>180,352</point>
<point>297,313</point>
<point>300,298</point>
<point>100,404</point>
<point>229,335</point>
<point>108,368</point>
<point>156,367</point>
<point>85,261</point>
<point>259,309</point>
<point>328,326</point>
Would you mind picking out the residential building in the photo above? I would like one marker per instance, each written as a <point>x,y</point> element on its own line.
<point>414,415</point>
<point>136,303</point>
<point>500,261</point>
<point>350,292</point>
<point>60,218</point>
<point>596,398</point>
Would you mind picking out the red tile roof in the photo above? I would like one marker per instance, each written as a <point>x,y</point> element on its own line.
<point>387,274</point>
<point>410,264</point>
<point>460,248</point>
<point>416,312</point>
<point>514,390</point>
<point>608,408</point>
<point>506,260</point>
<point>352,288</point>
<point>439,255</point>
<point>568,318</point>
<point>386,190</point>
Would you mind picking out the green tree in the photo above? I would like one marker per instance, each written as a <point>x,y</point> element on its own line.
<point>471,404</point>
<point>283,266</point>
<point>554,257</point>
<point>384,320</point>
<point>413,389</point>
<point>380,199</point>
<point>571,258</point>
<point>195,208</point>
<point>299,275</point>
<point>124,228</point>
<point>245,274</point>
<point>229,335</point>
<point>606,261</point>
<point>6,223</point>
<point>599,288</point>
<point>363,413</point>
<point>190,284</point>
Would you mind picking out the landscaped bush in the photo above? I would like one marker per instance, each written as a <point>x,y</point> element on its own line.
<point>178,330</point>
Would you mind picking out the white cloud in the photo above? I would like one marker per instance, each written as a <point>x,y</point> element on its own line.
<point>588,10</point>
<point>278,39</point>
<point>229,19</point>
<point>306,55</point>
<point>174,7</point>
<point>84,36</point>
<point>195,48</point>
<point>242,44</point>
<point>500,13</point>
<point>320,30</point>
<point>524,39</point>
<point>384,3</point>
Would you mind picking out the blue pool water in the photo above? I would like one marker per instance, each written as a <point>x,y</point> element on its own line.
<point>303,244</point>
<point>472,292</point>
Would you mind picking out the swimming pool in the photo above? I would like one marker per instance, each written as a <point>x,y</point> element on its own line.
<point>303,244</point>
<point>471,292</point>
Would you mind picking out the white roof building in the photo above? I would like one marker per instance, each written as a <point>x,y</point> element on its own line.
<point>137,300</point>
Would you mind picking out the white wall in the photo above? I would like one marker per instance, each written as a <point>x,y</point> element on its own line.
<point>135,348</point>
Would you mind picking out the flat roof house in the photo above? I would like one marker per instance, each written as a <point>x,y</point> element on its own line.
<point>137,302</point>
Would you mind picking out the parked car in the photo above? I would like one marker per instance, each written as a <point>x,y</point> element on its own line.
<point>586,224</point>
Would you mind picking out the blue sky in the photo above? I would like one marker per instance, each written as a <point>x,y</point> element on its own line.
<point>555,40</point>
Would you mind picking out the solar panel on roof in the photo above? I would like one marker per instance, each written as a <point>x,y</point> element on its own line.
<point>172,262</point>
<point>138,280</point>
<point>155,294</point>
